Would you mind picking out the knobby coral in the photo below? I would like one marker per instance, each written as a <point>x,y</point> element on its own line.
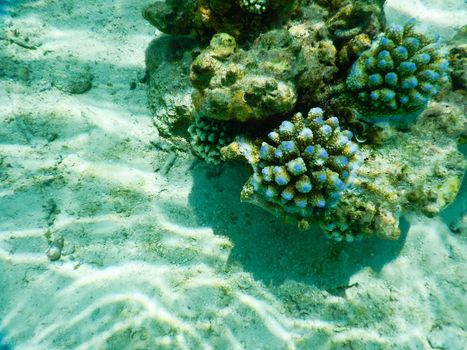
<point>304,167</point>
<point>398,75</point>
<point>208,136</point>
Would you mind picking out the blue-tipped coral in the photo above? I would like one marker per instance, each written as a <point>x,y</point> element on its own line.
<point>208,136</point>
<point>304,167</point>
<point>398,75</point>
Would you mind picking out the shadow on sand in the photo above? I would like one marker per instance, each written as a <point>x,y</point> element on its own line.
<point>273,251</point>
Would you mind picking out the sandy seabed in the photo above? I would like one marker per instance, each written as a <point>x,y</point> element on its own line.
<point>158,252</point>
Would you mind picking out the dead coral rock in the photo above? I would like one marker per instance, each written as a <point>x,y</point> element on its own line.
<point>242,85</point>
<point>172,16</point>
<point>266,79</point>
<point>167,62</point>
<point>357,217</point>
<point>317,61</point>
<point>355,17</point>
<point>458,59</point>
<point>352,25</point>
<point>73,80</point>
<point>353,49</point>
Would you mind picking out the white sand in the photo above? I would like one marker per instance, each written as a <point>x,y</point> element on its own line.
<point>437,17</point>
<point>169,258</point>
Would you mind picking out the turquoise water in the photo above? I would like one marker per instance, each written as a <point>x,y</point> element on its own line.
<point>115,235</point>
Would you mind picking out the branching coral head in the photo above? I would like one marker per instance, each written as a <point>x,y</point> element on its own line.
<point>398,75</point>
<point>304,166</point>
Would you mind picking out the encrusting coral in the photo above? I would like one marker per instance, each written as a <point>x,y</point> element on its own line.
<point>398,75</point>
<point>304,167</point>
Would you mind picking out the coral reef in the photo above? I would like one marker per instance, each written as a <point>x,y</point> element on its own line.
<point>261,68</point>
<point>398,75</point>
<point>239,18</point>
<point>304,167</point>
<point>208,136</point>
<point>407,172</point>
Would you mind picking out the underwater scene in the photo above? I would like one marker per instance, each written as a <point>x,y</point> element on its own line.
<point>233,174</point>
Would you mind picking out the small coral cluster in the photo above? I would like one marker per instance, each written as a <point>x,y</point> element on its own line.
<point>306,165</point>
<point>399,74</point>
<point>208,136</point>
<point>254,6</point>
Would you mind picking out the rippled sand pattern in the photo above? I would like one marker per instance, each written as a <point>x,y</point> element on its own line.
<point>158,251</point>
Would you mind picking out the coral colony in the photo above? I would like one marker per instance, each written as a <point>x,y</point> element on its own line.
<point>304,165</point>
<point>399,74</point>
<point>208,136</point>
<point>282,84</point>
